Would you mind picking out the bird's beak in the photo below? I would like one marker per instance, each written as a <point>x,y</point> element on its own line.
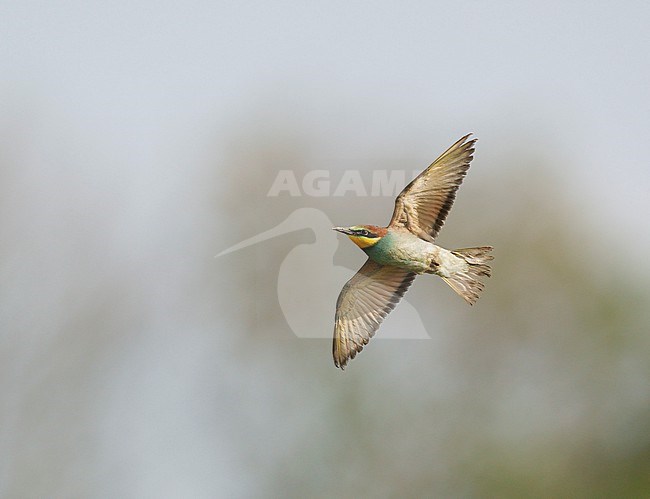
<point>343,230</point>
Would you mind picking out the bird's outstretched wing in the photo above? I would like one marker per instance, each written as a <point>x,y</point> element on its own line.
<point>424,204</point>
<point>364,302</point>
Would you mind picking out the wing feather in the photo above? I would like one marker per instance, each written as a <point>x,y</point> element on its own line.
<point>364,302</point>
<point>424,204</point>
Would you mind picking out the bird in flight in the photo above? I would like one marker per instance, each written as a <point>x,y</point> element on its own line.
<point>404,249</point>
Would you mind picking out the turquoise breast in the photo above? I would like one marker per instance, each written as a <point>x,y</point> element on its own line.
<point>381,252</point>
<point>402,250</point>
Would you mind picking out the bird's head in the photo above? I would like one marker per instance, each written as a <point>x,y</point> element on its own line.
<point>363,236</point>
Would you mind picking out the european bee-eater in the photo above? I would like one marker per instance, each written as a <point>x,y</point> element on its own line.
<point>404,249</point>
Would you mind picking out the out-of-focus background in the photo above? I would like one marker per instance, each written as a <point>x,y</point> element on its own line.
<point>139,139</point>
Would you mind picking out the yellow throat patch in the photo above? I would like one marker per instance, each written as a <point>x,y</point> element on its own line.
<point>364,242</point>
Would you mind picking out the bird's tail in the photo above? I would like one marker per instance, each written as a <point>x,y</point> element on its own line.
<point>466,283</point>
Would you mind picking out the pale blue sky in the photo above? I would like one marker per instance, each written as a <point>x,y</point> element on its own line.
<point>138,85</point>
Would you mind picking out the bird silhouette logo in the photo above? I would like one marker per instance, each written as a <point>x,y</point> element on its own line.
<point>396,254</point>
<point>300,276</point>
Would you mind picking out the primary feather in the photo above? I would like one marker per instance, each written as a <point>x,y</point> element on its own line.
<point>424,204</point>
<point>363,303</point>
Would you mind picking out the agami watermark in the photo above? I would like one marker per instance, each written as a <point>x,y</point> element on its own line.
<point>318,183</point>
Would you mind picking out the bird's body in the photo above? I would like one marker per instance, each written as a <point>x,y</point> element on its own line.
<point>399,247</point>
<point>404,249</point>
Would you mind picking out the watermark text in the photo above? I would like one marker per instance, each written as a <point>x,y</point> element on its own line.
<point>318,183</point>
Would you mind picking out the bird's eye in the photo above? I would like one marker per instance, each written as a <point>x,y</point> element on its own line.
<point>365,233</point>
